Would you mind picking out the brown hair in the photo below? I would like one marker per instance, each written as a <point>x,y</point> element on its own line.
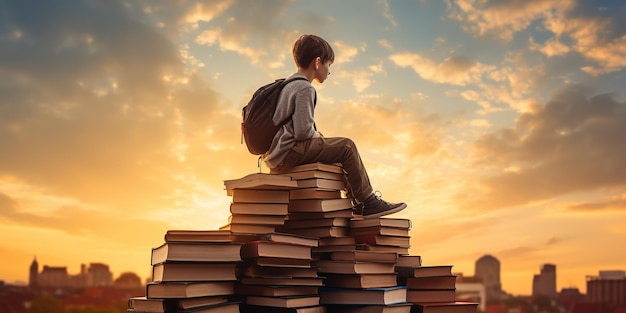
<point>309,47</point>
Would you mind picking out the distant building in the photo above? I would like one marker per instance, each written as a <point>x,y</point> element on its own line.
<point>33,274</point>
<point>487,269</point>
<point>128,280</point>
<point>54,276</point>
<point>609,287</point>
<point>544,284</point>
<point>471,288</point>
<point>98,274</point>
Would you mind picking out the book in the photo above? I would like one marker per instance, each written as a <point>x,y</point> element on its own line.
<point>360,280</point>
<point>319,222</point>
<point>256,219</point>
<point>321,231</point>
<point>319,205</point>
<point>188,289</point>
<point>268,309</point>
<point>249,228</point>
<point>332,168</point>
<point>197,252</point>
<point>445,307</point>
<point>347,267</point>
<point>398,250</point>
<point>433,295</point>
<point>143,304</point>
<point>196,271</point>
<point>260,196</point>
<point>281,262</point>
<point>370,296</point>
<point>284,302</point>
<point>278,237</point>
<point>330,249</point>
<point>429,282</point>
<point>436,270</point>
<point>314,193</point>
<point>380,230</point>
<point>365,256</point>
<point>259,208</point>
<point>336,241</point>
<point>192,303</point>
<point>254,270</point>
<point>321,183</point>
<point>198,235</point>
<point>383,240</point>
<point>409,261</point>
<point>227,307</point>
<point>275,291</point>
<point>271,249</point>
<point>297,176</point>
<point>346,213</point>
<point>382,221</point>
<point>391,308</point>
<point>282,281</point>
<point>261,181</point>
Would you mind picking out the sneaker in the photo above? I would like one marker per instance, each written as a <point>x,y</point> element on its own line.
<point>374,207</point>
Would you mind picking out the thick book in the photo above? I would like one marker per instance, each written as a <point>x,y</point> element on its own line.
<point>346,213</point>
<point>193,271</point>
<point>281,262</point>
<point>297,176</point>
<point>155,305</point>
<point>249,228</point>
<point>383,240</point>
<point>269,309</point>
<point>314,193</point>
<point>365,256</point>
<point>270,249</point>
<point>360,280</point>
<point>337,241</point>
<point>198,235</point>
<point>176,290</point>
<point>379,248</point>
<point>436,270</point>
<point>348,267</point>
<point>434,295</point>
<point>143,304</point>
<point>261,181</point>
<point>253,270</point>
<point>445,307</point>
<point>195,252</point>
<point>321,231</point>
<point>227,307</point>
<point>275,291</point>
<point>382,221</point>
<point>380,230</point>
<point>391,308</point>
<point>284,302</point>
<point>321,183</point>
<point>256,219</point>
<point>330,249</point>
<point>318,222</point>
<point>278,237</point>
<point>429,282</point>
<point>260,196</point>
<point>369,296</point>
<point>259,208</point>
<point>281,281</point>
<point>332,168</point>
<point>320,205</point>
<point>409,261</point>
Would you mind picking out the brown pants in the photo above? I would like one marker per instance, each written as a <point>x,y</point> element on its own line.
<point>333,150</point>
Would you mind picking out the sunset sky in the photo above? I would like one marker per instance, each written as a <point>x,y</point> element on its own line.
<point>502,124</point>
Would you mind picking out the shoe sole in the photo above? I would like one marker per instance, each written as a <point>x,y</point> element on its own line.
<point>383,213</point>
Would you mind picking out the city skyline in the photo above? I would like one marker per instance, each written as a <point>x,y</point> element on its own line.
<point>499,123</point>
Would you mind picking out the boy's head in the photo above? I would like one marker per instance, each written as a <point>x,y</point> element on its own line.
<point>309,47</point>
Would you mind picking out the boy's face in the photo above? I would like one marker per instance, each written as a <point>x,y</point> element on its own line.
<point>322,71</point>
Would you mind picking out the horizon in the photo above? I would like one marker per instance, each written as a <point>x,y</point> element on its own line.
<point>499,123</point>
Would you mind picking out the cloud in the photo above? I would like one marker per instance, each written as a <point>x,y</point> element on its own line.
<point>572,144</point>
<point>454,70</point>
<point>615,204</point>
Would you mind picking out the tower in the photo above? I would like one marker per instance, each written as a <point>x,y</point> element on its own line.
<point>545,282</point>
<point>487,268</point>
<point>33,277</point>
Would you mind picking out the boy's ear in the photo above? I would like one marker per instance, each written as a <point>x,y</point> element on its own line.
<point>318,62</point>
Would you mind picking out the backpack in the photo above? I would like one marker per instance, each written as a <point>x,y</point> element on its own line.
<point>257,127</point>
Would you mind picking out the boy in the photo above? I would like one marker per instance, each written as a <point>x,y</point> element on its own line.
<point>298,141</point>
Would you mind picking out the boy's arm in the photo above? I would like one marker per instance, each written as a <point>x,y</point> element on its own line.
<point>303,115</point>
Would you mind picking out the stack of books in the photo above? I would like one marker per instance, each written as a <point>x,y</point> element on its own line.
<point>259,203</point>
<point>277,276</point>
<point>192,271</point>
<point>319,207</point>
<point>382,234</point>
<point>431,289</point>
